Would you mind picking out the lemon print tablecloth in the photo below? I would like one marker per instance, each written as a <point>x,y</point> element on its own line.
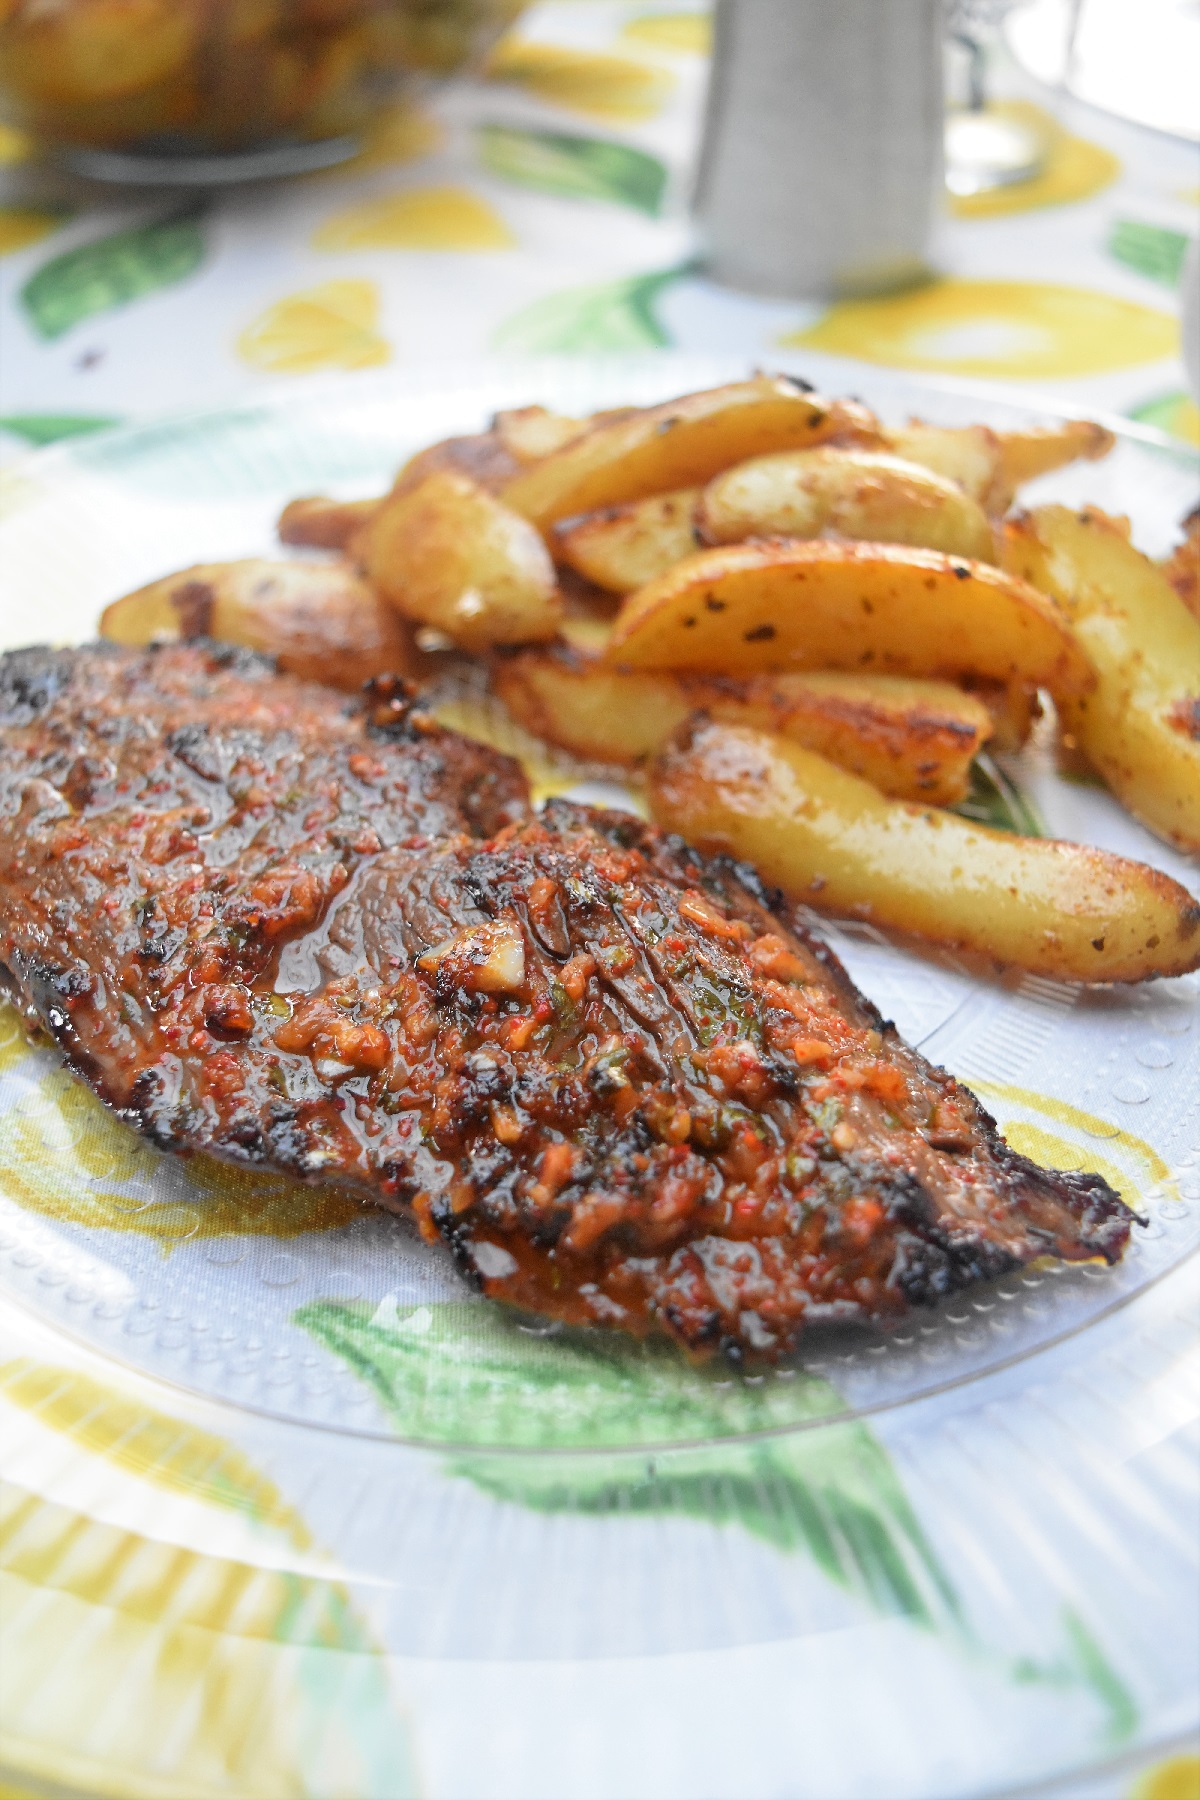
<point>283,1513</point>
<point>543,209</point>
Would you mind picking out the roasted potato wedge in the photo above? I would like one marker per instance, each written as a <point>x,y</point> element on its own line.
<point>969,455</point>
<point>1182,567</point>
<point>448,554</point>
<point>483,457</point>
<point>991,465</point>
<point>318,620</point>
<point>1014,709</point>
<point>1140,727</point>
<point>530,432</point>
<point>621,548</point>
<point>831,839</point>
<point>681,443</point>
<point>325,524</point>
<point>864,494</point>
<point>1024,455</point>
<point>911,738</point>
<point>873,608</point>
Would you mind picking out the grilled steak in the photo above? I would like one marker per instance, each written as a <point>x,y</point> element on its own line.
<point>610,1074</point>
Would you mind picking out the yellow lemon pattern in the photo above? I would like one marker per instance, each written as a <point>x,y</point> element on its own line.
<point>24,225</point>
<point>431,218</point>
<point>147,1444</point>
<point>1176,1779</point>
<point>15,146</point>
<point>63,1155</point>
<point>332,326</point>
<point>1147,1168</point>
<point>1023,330</point>
<point>613,88</point>
<point>140,1668</point>
<point>688,34</point>
<point>401,134</point>
<point>1075,169</point>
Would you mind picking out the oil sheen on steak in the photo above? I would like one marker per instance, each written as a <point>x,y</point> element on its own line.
<point>327,936</point>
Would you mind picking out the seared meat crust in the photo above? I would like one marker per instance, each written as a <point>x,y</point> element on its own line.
<point>611,1075</point>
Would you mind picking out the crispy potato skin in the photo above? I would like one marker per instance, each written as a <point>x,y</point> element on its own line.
<point>991,465</point>
<point>484,457</point>
<point>681,443</point>
<point>864,494</point>
<point>318,620</point>
<point>1024,455</point>
<point>621,548</point>
<point>914,739</point>
<point>528,433</point>
<point>569,698</point>
<point>1140,727</point>
<point>969,455</point>
<point>446,553</point>
<point>829,838</point>
<point>325,524</point>
<point>883,609</point>
<point>1014,712</point>
<point>1182,567</point>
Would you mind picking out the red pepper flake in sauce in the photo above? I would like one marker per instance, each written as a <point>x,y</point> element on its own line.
<point>699,909</point>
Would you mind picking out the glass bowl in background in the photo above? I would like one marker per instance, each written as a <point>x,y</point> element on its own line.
<point>223,90</point>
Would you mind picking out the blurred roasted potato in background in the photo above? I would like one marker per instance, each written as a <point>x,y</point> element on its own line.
<point>969,455</point>
<point>1014,709</point>
<point>482,456</point>
<point>530,432</point>
<point>990,465</point>
<point>621,548</point>
<point>863,494</point>
<point>831,839</point>
<point>325,524</point>
<point>318,620</point>
<point>448,554</point>
<point>656,449</point>
<point>1140,726</point>
<point>1182,567</point>
<point>878,608</point>
<point>1039,449</point>
<point>911,738</point>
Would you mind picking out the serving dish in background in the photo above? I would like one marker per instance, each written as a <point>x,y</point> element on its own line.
<point>176,91</point>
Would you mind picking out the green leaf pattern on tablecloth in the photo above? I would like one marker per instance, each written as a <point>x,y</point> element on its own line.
<point>610,316</point>
<point>50,428</point>
<point>1083,1663</point>
<point>1152,250</point>
<point>467,1374</point>
<point>579,168</point>
<point>110,272</point>
<point>1176,413</point>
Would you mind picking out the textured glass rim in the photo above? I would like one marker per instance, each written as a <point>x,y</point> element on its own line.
<point>847,1415</point>
<point>301,394</point>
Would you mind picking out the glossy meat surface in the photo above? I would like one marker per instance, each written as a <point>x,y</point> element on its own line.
<point>323,935</point>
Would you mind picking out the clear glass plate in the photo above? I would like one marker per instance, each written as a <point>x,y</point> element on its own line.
<point>974,1520</point>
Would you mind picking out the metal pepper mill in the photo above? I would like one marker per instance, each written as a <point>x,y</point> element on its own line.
<point>821,168</point>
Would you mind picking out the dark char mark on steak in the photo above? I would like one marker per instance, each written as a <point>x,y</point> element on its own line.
<point>614,1077</point>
